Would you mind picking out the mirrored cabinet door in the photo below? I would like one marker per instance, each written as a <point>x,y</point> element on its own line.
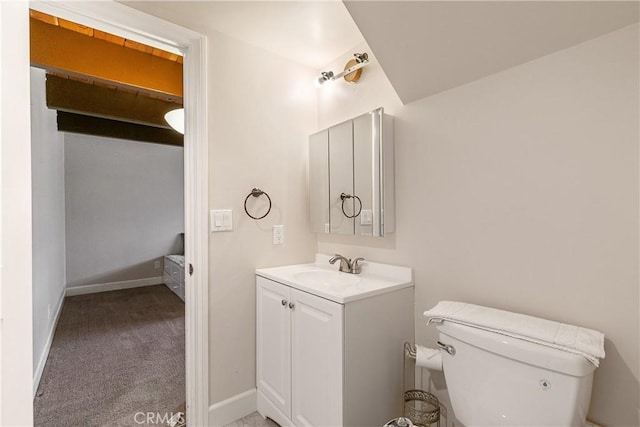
<point>319,181</point>
<point>341,178</point>
<point>363,184</point>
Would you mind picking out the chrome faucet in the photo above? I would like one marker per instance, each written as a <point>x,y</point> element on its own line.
<point>346,265</point>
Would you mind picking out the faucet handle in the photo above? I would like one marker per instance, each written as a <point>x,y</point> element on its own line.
<point>355,266</point>
<point>335,258</point>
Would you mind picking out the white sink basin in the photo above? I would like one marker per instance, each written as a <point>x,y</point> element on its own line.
<point>326,278</point>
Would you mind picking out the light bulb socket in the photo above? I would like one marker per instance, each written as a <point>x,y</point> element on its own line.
<point>361,57</point>
<point>325,76</point>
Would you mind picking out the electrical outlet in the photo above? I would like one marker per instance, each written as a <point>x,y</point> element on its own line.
<point>278,234</point>
<point>366,217</point>
<point>156,264</point>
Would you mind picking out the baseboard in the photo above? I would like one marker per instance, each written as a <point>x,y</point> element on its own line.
<point>113,286</point>
<point>232,409</point>
<point>37,375</point>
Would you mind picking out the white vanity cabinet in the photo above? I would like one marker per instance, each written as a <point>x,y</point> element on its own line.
<point>328,363</point>
<point>299,353</point>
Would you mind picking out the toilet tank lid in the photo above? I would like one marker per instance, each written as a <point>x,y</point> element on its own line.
<point>544,357</point>
<point>587,343</point>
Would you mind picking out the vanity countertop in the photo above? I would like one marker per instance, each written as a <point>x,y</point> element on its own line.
<point>324,280</point>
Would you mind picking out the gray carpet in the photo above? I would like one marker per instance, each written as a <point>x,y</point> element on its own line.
<point>253,420</point>
<point>114,354</point>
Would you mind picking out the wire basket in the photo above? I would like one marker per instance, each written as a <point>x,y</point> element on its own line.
<point>421,407</point>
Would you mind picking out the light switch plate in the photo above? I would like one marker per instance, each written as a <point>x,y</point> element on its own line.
<point>221,220</point>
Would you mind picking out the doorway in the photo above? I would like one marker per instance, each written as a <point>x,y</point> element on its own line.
<point>125,22</point>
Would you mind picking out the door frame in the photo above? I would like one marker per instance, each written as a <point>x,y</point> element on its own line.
<point>129,23</point>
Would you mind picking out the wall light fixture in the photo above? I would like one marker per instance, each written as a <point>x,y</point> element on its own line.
<point>352,71</point>
<point>175,118</point>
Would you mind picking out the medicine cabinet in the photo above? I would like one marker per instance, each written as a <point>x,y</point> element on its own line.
<point>351,177</point>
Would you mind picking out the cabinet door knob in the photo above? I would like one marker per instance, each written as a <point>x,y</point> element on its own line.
<point>291,305</point>
<point>284,302</point>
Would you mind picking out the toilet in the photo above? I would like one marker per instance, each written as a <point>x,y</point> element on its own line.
<point>495,379</point>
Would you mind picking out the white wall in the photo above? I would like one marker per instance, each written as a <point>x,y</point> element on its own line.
<point>520,191</point>
<point>16,369</point>
<point>262,109</point>
<point>124,208</point>
<point>47,161</point>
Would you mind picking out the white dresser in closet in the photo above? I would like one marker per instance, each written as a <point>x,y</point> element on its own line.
<point>174,274</point>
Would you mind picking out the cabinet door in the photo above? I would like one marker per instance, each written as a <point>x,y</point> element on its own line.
<point>273,342</point>
<point>319,181</point>
<point>363,171</point>
<point>341,177</point>
<point>316,347</point>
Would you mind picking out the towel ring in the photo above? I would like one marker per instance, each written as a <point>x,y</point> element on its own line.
<point>343,197</point>
<point>256,192</point>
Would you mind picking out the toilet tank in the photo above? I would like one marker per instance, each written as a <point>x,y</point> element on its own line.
<point>496,380</point>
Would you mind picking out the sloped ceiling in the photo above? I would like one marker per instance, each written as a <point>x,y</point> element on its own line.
<point>426,47</point>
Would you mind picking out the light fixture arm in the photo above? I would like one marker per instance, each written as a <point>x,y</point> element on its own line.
<point>350,70</point>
